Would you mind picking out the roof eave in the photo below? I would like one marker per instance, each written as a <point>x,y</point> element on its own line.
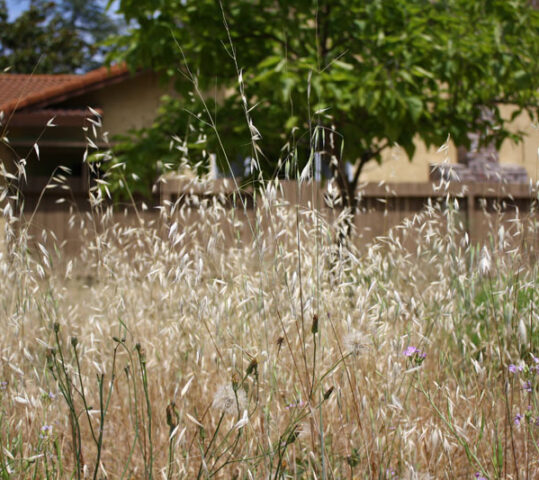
<point>87,83</point>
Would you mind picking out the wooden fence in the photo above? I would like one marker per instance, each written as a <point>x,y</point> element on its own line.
<point>381,206</point>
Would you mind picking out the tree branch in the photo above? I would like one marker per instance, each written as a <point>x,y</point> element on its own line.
<point>369,155</point>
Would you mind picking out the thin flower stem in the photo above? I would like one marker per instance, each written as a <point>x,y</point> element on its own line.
<point>214,436</point>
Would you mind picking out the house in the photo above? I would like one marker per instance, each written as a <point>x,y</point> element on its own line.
<point>30,104</point>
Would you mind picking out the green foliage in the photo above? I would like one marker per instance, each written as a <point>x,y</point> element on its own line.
<point>375,73</point>
<point>153,151</point>
<point>51,37</point>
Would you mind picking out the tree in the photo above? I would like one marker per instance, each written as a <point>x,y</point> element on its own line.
<point>54,37</point>
<point>374,73</point>
<point>3,11</point>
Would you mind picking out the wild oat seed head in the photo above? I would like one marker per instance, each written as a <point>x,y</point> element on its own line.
<point>228,401</point>
<point>484,262</point>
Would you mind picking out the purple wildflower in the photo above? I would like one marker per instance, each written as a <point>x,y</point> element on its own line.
<point>536,366</point>
<point>518,419</point>
<point>3,385</point>
<point>410,351</point>
<point>45,430</point>
<point>527,386</point>
<point>416,355</point>
<point>479,476</point>
<point>295,405</point>
<point>515,368</point>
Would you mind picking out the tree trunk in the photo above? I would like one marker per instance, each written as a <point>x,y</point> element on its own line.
<point>347,187</point>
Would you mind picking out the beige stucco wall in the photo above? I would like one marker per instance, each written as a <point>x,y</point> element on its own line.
<point>132,103</point>
<point>396,167</point>
<point>525,153</point>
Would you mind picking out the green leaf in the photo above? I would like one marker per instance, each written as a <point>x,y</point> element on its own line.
<point>343,65</point>
<point>415,107</point>
<point>270,62</point>
<point>291,122</point>
<point>409,148</point>
<point>421,72</point>
<point>406,76</point>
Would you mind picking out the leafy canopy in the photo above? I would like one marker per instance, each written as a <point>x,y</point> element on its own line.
<point>376,72</point>
<point>54,37</point>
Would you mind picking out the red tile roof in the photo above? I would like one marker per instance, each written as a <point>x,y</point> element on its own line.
<point>19,91</point>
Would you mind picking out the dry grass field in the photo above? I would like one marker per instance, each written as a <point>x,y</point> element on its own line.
<point>286,356</point>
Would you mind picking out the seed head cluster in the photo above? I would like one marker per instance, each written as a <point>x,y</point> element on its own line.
<point>230,401</point>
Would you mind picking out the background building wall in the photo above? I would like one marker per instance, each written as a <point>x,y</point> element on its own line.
<point>396,167</point>
<point>133,103</point>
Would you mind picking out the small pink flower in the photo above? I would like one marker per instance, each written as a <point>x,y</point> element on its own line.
<point>410,351</point>
<point>527,386</point>
<point>295,405</point>
<point>416,355</point>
